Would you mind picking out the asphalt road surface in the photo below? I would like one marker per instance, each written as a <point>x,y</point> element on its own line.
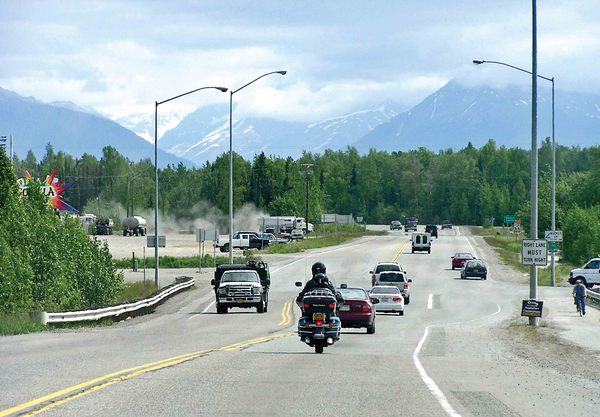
<point>457,351</point>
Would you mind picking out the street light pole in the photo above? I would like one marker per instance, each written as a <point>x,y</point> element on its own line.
<point>306,166</point>
<point>231,93</point>
<point>156,104</point>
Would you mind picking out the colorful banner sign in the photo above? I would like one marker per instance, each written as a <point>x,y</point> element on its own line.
<point>51,188</point>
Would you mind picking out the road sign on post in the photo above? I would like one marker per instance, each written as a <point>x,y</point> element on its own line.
<point>553,235</point>
<point>534,252</point>
<point>151,242</point>
<point>510,218</point>
<point>552,247</point>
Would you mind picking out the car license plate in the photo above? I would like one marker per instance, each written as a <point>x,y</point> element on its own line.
<point>239,301</point>
<point>476,270</point>
<point>344,307</point>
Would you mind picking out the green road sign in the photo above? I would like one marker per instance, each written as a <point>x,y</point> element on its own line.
<point>552,247</point>
<point>510,218</point>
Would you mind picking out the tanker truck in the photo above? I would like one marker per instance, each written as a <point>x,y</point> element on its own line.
<point>134,226</point>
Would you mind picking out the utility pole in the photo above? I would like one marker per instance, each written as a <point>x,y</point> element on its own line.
<point>534,321</point>
<point>306,166</point>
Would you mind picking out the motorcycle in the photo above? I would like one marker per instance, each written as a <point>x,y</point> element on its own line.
<point>318,327</point>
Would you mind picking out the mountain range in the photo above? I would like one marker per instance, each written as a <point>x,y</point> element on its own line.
<point>449,118</point>
<point>71,129</point>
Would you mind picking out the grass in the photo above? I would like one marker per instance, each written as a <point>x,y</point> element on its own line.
<point>136,291</point>
<point>508,249</point>
<point>173,262</point>
<point>18,323</point>
<point>323,237</point>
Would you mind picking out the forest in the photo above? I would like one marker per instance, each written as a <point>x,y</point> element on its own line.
<point>473,186</point>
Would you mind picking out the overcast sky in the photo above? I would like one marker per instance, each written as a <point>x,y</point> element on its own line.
<point>118,57</point>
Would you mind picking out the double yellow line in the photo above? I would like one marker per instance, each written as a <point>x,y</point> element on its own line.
<point>287,315</point>
<point>401,250</point>
<point>66,395</point>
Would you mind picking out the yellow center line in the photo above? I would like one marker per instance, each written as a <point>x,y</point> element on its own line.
<point>77,391</point>
<point>284,314</point>
<point>401,250</point>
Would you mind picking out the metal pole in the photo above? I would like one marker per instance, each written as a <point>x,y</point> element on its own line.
<point>156,194</point>
<point>230,178</point>
<point>533,321</point>
<point>552,268</point>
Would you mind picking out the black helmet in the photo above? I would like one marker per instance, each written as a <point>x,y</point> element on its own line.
<point>318,268</point>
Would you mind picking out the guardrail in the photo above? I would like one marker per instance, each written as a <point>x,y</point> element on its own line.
<point>121,310</point>
<point>593,298</point>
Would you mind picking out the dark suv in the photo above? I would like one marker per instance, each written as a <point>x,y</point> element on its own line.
<point>446,224</point>
<point>431,229</point>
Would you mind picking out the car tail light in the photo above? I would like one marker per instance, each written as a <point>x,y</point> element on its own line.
<point>373,277</point>
<point>365,308</point>
<point>319,323</point>
<point>332,305</point>
<point>397,299</point>
<point>406,285</point>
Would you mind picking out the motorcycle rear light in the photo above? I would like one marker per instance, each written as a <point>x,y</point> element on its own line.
<point>331,305</point>
<point>306,305</point>
<point>319,323</point>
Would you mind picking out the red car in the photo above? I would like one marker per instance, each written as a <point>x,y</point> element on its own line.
<point>459,259</point>
<point>357,310</point>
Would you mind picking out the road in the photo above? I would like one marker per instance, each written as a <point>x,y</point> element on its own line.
<point>458,351</point>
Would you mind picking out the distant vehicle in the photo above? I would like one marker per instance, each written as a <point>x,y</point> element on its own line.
<point>243,240</point>
<point>474,268</point>
<point>382,267</point>
<point>589,274</point>
<point>104,226</point>
<point>357,310</point>
<point>446,224</point>
<point>421,242</point>
<point>283,224</point>
<point>431,229</point>
<point>297,234</point>
<point>459,259</point>
<point>134,226</point>
<point>395,225</point>
<point>397,279</point>
<point>88,222</point>
<point>387,299</point>
<point>410,223</point>
<point>273,239</point>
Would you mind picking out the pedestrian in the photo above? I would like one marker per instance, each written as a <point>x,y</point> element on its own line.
<point>580,293</point>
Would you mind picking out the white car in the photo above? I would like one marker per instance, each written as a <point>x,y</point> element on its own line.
<point>384,267</point>
<point>297,234</point>
<point>389,297</point>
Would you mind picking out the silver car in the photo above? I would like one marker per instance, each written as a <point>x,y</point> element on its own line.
<point>383,267</point>
<point>397,279</point>
<point>389,297</point>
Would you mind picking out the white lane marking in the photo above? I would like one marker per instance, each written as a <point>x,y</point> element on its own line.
<point>431,385</point>
<point>471,246</point>
<point>457,231</point>
<point>454,323</point>
<point>430,302</point>
<point>208,307</point>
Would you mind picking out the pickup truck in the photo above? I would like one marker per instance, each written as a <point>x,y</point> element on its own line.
<point>242,285</point>
<point>589,274</point>
<point>244,240</point>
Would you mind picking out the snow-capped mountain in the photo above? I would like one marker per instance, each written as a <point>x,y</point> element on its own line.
<point>455,115</point>
<point>142,124</point>
<point>204,134</point>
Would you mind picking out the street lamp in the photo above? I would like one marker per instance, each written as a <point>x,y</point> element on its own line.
<point>231,93</point>
<point>553,204</point>
<point>306,166</point>
<point>156,104</point>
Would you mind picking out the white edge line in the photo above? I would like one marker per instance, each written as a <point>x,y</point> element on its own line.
<point>208,307</point>
<point>430,302</point>
<point>431,385</point>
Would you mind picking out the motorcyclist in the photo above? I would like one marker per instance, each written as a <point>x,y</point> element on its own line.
<point>319,280</point>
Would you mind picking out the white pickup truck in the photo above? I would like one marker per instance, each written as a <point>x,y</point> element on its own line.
<point>589,274</point>
<point>244,240</point>
<point>240,288</point>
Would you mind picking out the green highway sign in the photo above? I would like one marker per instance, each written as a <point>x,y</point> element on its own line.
<point>552,247</point>
<point>510,218</point>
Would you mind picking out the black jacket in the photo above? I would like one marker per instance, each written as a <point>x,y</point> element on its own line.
<point>312,284</point>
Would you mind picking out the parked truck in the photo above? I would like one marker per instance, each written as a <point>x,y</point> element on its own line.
<point>244,240</point>
<point>282,224</point>
<point>134,226</point>
<point>104,226</point>
<point>242,285</point>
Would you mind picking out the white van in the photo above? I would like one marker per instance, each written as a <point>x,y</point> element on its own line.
<point>421,242</point>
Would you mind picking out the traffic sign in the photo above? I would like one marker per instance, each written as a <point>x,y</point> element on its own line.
<point>532,308</point>
<point>552,247</point>
<point>510,218</point>
<point>553,235</point>
<point>534,252</point>
<point>151,241</point>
